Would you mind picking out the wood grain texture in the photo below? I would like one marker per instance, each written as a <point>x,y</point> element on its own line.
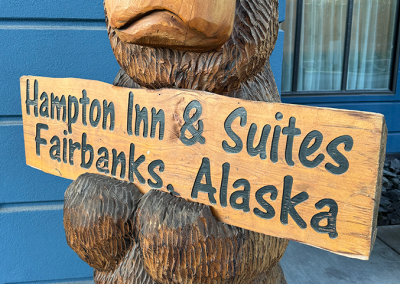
<point>136,274</point>
<point>378,192</point>
<point>178,24</point>
<point>183,243</point>
<point>230,70</point>
<point>130,270</point>
<point>247,31</point>
<point>222,47</point>
<point>98,213</point>
<point>354,191</point>
<point>273,276</point>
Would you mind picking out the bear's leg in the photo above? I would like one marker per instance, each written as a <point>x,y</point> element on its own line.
<point>159,238</point>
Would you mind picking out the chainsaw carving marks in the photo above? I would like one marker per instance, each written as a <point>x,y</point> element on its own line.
<point>98,219</point>
<point>165,240</point>
<point>239,68</point>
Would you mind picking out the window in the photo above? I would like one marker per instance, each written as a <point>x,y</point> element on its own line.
<point>337,46</point>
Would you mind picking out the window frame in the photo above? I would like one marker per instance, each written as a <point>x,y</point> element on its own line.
<point>353,95</point>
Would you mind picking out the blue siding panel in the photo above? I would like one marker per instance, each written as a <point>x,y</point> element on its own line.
<point>72,9</point>
<point>68,9</point>
<point>22,183</point>
<point>276,60</point>
<point>33,247</point>
<point>53,52</point>
<point>393,143</point>
<point>282,10</point>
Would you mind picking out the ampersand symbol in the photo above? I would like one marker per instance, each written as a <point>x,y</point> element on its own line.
<point>189,121</point>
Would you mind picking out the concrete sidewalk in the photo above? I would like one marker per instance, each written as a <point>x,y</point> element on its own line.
<point>304,264</point>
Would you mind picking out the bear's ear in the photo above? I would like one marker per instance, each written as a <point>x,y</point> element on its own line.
<point>98,219</point>
<point>177,24</point>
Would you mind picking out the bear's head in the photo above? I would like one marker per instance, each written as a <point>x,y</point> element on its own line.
<point>219,46</point>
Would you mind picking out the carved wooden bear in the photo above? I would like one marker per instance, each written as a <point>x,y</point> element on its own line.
<point>219,46</point>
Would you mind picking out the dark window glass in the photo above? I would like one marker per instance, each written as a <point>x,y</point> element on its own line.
<point>372,44</point>
<point>339,45</point>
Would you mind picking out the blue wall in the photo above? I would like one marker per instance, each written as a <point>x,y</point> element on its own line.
<point>54,39</point>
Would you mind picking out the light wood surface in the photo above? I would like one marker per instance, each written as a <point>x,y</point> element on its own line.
<point>185,24</point>
<point>355,191</point>
<point>239,68</point>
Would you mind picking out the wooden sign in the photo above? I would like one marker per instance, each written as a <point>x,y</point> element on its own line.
<point>308,174</point>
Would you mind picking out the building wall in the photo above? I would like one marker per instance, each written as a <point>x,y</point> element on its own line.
<point>50,38</point>
<point>388,105</point>
<point>53,39</point>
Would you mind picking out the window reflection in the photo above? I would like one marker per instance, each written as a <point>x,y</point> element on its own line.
<point>372,44</point>
<point>322,45</point>
<point>289,26</point>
